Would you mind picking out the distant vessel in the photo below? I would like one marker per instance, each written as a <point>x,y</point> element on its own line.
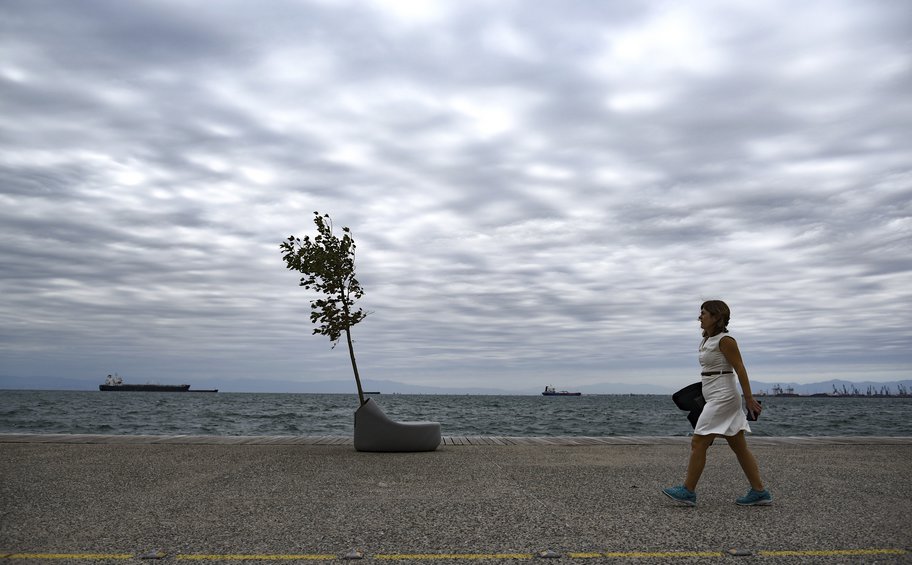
<point>549,391</point>
<point>788,392</point>
<point>115,382</point>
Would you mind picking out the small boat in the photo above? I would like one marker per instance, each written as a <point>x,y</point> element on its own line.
<point>549,391</point>
<point>115,383</point>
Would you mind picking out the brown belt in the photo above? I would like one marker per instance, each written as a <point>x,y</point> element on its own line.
<point>715,373</point>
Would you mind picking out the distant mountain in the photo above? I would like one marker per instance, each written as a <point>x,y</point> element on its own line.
<point>623,388</point>
<point>342,386</point>
<point>395,387</point>
<point>347,386</point>
<point>828,386</point>
<point>47,383</point>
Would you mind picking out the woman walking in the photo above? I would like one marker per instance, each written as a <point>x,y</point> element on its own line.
<point>720,361</point>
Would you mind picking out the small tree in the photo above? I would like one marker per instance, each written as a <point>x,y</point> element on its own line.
<point>328,265</point>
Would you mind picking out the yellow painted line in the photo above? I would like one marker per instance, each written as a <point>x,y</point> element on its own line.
<point>68,556</point>
<point>831,552</point>
<point>663,554</point>
<point>255,557</point>
<point>454,556</point>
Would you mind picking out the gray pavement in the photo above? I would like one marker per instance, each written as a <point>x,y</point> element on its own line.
<point>835,502</point>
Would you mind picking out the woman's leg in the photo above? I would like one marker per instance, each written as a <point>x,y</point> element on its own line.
<point>698,447</point>
<point>738,444</point>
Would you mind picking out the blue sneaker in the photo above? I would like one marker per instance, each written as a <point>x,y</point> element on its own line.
<point>681,495</point>
<point>755,498</point>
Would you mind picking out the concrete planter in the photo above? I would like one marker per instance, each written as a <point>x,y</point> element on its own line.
<point>375,431</point>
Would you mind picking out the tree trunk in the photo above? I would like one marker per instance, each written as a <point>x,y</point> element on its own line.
<point>351,353</point>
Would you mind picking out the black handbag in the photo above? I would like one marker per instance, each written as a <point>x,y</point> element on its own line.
<point>690,399</point>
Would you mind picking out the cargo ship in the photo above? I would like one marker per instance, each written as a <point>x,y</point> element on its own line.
<point>115,383</point>
<point>549,391</point>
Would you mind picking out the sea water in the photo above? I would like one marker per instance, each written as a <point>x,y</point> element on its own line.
<point>232,414</point>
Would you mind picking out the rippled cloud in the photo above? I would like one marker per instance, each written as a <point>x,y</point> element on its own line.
<point>540,192</point>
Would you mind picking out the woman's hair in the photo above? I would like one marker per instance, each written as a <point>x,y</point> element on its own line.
<point>721,311</point>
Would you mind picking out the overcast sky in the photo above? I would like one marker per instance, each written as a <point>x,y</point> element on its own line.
<point>541,192</point>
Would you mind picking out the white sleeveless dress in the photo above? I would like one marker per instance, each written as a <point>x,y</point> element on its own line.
<point>722,414</point>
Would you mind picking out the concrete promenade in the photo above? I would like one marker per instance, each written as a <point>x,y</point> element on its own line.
<point>79,499</point>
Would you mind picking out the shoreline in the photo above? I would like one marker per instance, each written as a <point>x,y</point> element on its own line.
<point>448,440</point>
